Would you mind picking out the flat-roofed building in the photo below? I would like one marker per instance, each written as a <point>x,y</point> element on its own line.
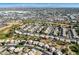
<point>56,31</point>
<point>74,33</point>
<point>64,32</point>
<point>40,29</point>
<point>68,40</point>
<point>26,28</point>
<point>48,30</point>
<point>34,29</point>
<point>18,32</point>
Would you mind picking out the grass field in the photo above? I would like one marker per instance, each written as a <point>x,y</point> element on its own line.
<point>5,31</point>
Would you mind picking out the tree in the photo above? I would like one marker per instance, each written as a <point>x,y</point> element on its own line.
<point>64,51</point>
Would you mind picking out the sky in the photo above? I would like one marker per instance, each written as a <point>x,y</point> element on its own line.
<point>40,5</point>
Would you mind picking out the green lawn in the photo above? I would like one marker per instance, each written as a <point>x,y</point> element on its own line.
<point>3,36</point>
<point>75,48</point>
